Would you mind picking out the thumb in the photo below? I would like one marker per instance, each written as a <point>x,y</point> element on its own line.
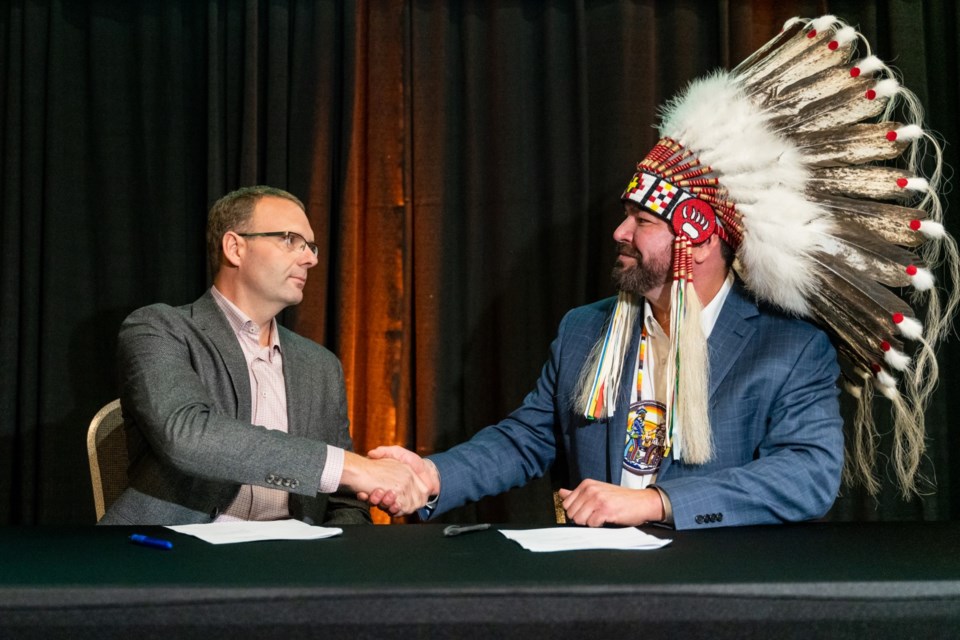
<point>378,453</point>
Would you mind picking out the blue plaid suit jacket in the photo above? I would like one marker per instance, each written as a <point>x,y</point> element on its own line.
<point>774,411</point>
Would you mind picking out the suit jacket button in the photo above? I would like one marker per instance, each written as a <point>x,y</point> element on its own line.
<point>271,478</point>
<point>699,519</point>
<point>294,484</point>
<point>286,482</point>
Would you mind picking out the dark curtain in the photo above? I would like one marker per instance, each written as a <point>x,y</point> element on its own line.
<point>461,163</point>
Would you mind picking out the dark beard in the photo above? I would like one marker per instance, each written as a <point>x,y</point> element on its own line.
<point>644,276</point>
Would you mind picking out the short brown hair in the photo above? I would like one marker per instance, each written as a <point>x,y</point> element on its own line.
<point>232,212</point>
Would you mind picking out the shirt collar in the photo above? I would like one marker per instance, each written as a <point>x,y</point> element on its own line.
<point>708,316</point>
<point>241,323</point>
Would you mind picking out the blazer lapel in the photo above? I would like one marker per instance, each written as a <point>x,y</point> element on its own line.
<point>730,334</point>
<point>294,371</point>
<point>208,316</point>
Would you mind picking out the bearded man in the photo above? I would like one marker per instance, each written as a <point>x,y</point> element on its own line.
<point>774,445</point>
<point>781,198</point>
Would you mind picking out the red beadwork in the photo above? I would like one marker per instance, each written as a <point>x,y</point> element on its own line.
<point>901,182</point>
<point>699,182</point>
<point>915,225</point>
<point>876,368</point>
<point>812,34</point>
<point>855,72</point>
<point>897,318</point>
<point>871,94</point>
<point>834,45</point>
<point>885,345</point>
<point>892,136</point>
<point>911,270</point>
<point>693,173</point>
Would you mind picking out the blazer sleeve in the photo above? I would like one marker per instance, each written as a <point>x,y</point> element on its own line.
<point>508,454</point>
<point>794,472</point>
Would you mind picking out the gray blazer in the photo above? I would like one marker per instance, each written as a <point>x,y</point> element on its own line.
<point>185,392</point>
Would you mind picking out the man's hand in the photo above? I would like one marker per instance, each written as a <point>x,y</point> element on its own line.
<point>595,504</point>
<point>365,476</point>
<point>425,470</point>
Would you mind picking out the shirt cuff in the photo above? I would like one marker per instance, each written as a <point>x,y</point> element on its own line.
<point>332,470</point>
<point>434,499</point>
<point>667,507</point>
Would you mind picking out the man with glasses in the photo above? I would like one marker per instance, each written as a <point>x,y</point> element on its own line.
<point>230,416</point>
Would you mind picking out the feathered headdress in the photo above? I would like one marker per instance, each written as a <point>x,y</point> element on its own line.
<point>790,159</point>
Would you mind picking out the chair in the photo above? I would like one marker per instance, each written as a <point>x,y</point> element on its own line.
<point>107,452</point>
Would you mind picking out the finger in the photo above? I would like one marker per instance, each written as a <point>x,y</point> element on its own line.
<point>571,498</point>
<point>376,496</point>
<point>363,497</point>
<point>389,499</point>
<point>596,520</point>
<point>386,451</point>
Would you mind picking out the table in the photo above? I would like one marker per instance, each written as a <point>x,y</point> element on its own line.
<point>876,580</point>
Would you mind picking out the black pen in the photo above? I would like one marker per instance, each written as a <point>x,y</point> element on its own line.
<point>155,543</point>
<point>456,529</point>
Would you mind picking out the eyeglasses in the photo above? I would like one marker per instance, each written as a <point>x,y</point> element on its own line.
<point>292,240</point>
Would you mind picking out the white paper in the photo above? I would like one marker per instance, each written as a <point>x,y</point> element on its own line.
<point>249,531</point>
<point>580,538</point>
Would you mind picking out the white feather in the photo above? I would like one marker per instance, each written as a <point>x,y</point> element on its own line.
<point>911,328</point>
<point>777,255</point>
<point>845,35</point>
<point>896,359</point>
<point>922,279</point>
<point>887,88</point>
<point>909,132</point>
<point>917,184</point>
<point>823,22</point>
<point>890,392</point>
<point>932,229</point>
<point>884,379</point>
<point>792,21</point>
<point>869,64</point>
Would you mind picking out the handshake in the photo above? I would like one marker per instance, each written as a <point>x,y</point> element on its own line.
<point>392,478</point>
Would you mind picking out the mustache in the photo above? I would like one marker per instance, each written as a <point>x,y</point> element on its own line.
<point>629,251</point>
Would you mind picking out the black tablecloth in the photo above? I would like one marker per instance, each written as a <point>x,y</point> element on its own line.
<point>872,580</point>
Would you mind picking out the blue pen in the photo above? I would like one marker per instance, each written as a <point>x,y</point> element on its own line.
<point>155,543</point>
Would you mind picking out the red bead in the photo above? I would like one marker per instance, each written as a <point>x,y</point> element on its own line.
<point>854,72</point>
<point>891,136</point>
<point>871,94</point>
<point>834,45</point>
<point>876,368</point>
<point>915,225</point>
<point>897,318</point>
<point>812,34</point>
<point>911,270</point>
<point>901,182</point>
<point>885,345</point>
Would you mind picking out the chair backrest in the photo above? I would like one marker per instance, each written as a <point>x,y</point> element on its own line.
<point>107,452</point>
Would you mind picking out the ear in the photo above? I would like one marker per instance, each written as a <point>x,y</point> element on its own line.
<point>704,251</point>
<point>233,248</point>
